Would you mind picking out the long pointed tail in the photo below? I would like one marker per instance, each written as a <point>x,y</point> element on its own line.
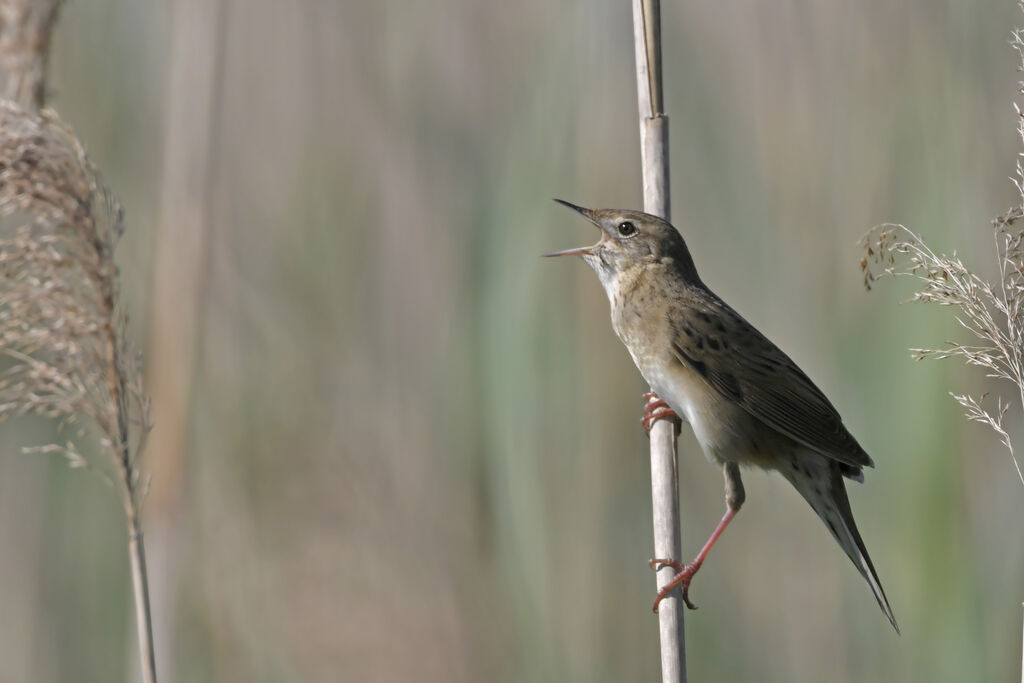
<point>820,482</point>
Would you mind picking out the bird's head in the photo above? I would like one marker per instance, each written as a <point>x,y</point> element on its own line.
<point>631,239</point>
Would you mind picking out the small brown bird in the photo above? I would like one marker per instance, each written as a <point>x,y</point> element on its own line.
<point>747,402</point>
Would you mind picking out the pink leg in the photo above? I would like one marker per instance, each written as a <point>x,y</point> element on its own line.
<point>686,572</point>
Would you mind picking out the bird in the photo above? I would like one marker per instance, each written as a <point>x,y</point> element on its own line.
<point>747,402</point>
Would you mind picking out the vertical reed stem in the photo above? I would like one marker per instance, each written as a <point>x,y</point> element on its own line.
<point>664,477</point>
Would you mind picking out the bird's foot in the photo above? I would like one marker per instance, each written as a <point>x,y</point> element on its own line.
<point>682,579</point>
<point>655,409</point>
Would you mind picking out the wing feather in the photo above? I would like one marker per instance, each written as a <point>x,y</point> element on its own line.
<point>744,366</point>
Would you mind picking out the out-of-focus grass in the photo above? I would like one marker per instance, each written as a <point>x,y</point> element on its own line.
<point>416,448</point>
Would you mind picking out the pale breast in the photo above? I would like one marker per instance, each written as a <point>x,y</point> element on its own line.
<point>725,431</point>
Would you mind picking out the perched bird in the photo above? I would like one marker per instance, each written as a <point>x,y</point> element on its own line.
<point>747,402</point>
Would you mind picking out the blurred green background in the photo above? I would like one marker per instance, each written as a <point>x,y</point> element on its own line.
<point>407,448</point>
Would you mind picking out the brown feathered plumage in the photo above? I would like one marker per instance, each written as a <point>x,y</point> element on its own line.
<point>747,402</point>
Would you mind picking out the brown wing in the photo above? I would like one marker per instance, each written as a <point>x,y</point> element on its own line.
<point>744,366</point>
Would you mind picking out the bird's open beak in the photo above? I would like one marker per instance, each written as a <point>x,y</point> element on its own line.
<point>586,213</point>
<point>578,251</point>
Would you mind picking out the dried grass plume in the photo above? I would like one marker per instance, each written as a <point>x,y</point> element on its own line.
<point>60,322</point>
<point>992,312</point>
<point>62,331</point>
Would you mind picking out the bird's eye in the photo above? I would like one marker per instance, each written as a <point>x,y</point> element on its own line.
<point>626,229</point>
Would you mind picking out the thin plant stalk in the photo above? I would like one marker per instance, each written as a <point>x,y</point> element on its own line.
<point>664,474</point>
<point>143,614</point>
<point>136,546</point>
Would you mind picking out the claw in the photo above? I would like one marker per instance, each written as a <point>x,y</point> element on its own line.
<point>685,572</point>
<point>659,564</point>
<point>682,578</point>
<point>655,409</point>
<point>648,419</point>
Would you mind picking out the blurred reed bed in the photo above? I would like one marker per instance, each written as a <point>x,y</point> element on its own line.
<point>413,451</point>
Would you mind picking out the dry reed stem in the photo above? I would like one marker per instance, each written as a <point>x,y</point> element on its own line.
<point>25,30</point>
<point>654,155</point>
<point>61,327</point>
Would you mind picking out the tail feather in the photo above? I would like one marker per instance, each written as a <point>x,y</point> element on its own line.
<point>854,547</point>
<point>821,484</point>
